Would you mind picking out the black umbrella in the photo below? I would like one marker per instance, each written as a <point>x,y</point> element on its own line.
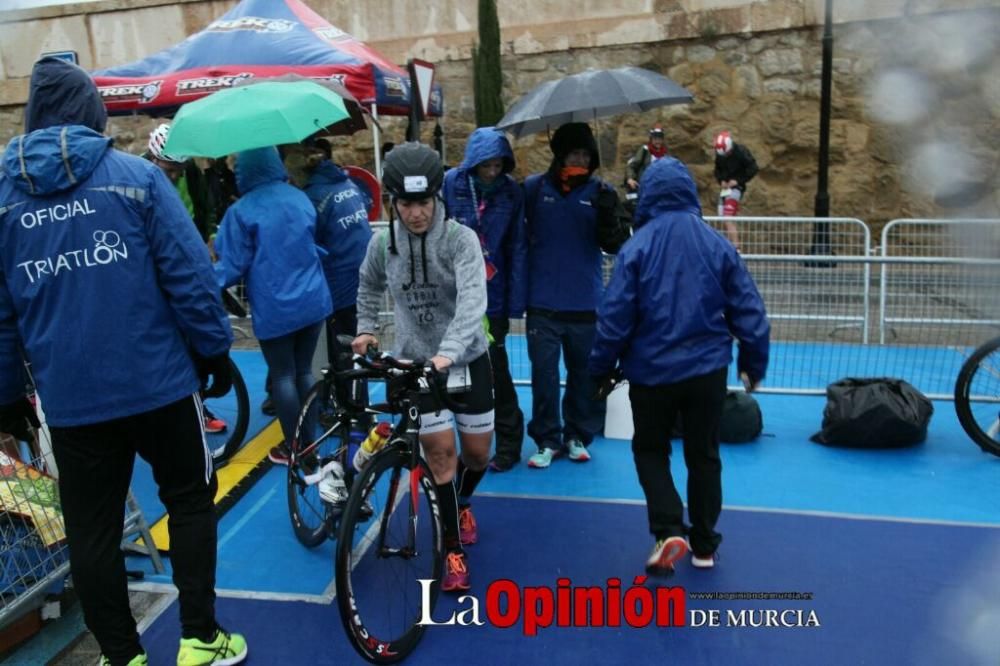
<point>590,95</point>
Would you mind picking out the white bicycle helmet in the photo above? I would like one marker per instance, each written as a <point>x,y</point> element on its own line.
<point>723,143</point>
<point>157,141</point>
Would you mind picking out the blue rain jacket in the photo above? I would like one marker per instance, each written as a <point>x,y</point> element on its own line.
<point>103,279</point>
<point>500,223</point>
<point>341,229</point>
<point>268,237</point>
<point>564,259</point>
<point>679,293</point>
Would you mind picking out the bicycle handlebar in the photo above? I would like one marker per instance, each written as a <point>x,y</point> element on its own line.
<point>381,365</point>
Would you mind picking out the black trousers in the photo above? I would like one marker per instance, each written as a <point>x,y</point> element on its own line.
<point>345,322</point>
<point>95,469</point>
<point>341,322</point>
<point>654,408</point>
<point>508,420</point>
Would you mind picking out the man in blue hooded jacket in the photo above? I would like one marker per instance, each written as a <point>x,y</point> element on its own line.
<point>571,216</point>
<point>678,296</point>
<point>108,290</point>
<point>481,194</point>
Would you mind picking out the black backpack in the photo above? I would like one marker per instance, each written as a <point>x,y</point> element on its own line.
<point>874,413</point>
<point>742,421</point>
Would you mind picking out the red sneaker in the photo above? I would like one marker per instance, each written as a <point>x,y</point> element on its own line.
<point>214,425</point>
<point>467,532</point>
<point>456,574</point>
<point>278,454</point>
<point>665,553</point>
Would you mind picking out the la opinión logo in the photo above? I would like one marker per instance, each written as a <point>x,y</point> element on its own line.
<point>508,604</point>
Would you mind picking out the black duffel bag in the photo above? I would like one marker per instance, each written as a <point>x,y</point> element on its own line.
<point>742,420</point>
<point>874,413</point>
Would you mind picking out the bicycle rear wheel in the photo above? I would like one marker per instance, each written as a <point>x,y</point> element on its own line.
<point>233,410</point>
<point>313,520</point>
<point>383,552</point>
<point>977,396</point>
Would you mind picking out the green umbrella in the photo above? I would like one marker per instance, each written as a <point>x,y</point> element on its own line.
<point>262,114</point>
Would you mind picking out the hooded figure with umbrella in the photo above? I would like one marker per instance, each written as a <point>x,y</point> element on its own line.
<point>268,238</point>
<point>571,216</point>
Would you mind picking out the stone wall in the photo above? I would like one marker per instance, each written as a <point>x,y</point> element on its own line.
<point>916,96</point>
<point>915,126</point>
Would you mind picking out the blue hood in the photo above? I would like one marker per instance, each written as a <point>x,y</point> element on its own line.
<point>53,159</point>
<point>258,167</point>
<point>487,143</point>
<point>63,94</point>
<point>666,186</point>
<point>327,173</point>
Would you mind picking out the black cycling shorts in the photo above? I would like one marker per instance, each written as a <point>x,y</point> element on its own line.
<point>477,400</point>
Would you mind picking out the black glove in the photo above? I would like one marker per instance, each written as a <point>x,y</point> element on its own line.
<point>605,200</point>
<point>218,368</point>
<point>16,416</point>
<point>605,384</point>
<point>612,221</point>
<point>499,327</point>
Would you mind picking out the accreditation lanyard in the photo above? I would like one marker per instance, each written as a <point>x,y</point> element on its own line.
<point>480,207</point>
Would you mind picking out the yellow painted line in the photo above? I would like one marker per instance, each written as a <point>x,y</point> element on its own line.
<point>238,467</point>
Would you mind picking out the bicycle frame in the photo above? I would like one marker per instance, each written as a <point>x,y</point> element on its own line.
<point>405,437</point>
<point>410,426</point>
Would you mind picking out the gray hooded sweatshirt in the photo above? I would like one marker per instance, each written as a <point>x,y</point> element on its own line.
<point>437,281</point>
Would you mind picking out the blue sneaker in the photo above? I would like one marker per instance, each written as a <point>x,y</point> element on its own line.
<point>577,451</point>
<point>543,458</point>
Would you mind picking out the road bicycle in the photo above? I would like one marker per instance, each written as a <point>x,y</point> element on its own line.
<point>333,416</point>
<point>977,396</point>
<point>389,554</point>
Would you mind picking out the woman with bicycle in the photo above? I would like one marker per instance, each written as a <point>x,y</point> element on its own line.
<point>434,271</point>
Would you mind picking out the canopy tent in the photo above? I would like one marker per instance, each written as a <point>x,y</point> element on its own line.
<point>258,38</point>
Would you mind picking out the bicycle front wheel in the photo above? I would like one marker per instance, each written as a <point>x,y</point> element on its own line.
<point>389,557</point>
<point>977,396</point>
<point>320,438</point>
<point>227,419</point>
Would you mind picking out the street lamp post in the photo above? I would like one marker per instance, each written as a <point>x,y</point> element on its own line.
<point>821,228</point>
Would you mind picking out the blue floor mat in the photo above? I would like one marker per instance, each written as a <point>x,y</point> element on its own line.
<point>883,592</point>
<point>947,478</point>
<point>886,592</point>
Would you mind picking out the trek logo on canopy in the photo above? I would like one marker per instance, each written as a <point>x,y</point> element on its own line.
<point>395,87</point>
<point>206,84</point>
<point>331,33</point>
<point>143,93</point>
<point>252,23</point>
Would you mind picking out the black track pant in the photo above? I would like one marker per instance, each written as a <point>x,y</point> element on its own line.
<point>699,401</point>
<point>95,469</point>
